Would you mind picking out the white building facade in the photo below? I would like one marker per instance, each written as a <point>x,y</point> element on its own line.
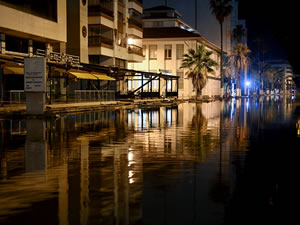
<point>166,39</point>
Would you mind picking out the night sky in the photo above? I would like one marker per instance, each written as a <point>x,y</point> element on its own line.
<point>274,22</point>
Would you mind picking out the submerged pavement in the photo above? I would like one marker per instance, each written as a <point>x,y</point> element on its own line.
<point>58,108</point>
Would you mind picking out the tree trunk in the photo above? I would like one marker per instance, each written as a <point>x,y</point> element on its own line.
<point>198,95</point>
<point>238,89</point>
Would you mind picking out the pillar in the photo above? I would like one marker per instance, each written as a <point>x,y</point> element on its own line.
<point>35,77</point>
<point>30,48</point>
<point>2,44</point>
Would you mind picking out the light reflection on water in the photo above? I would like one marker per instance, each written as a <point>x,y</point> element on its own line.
<point>164,165</point>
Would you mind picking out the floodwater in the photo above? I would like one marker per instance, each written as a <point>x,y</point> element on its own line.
<point>234,162</point>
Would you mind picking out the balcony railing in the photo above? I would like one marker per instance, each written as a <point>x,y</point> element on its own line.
<point>17,97</point>
<point>135,50</point>
<point>96,10</point>
<point>133,21</point>
<point>94,95</point>
<point>98,40</point>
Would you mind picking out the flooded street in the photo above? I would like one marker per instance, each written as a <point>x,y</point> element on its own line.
<point>234,162</point>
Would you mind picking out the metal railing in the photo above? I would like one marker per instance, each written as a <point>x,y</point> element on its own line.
<point>17,97</point>
<point>59,57</point>
<point>136,50</point>
<point>94,95</point>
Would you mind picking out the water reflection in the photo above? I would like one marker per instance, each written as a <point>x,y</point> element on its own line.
<point>164,165</point>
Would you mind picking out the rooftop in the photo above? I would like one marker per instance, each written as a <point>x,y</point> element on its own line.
<point>160,12</point>
<point>168,32</point>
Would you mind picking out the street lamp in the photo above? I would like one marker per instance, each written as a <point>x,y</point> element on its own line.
<point>247,83</point>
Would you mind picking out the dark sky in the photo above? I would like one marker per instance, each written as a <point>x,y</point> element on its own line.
<point>276,22</point>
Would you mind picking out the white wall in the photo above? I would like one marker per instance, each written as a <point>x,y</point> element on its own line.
<point>173,65</point>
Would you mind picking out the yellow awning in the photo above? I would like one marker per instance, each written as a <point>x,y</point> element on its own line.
<point>102,76</point>
<point>60,69</point>
<point>13,70</point>
<point>83,75</point>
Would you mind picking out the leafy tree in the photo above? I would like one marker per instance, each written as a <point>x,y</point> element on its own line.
<point>270,75</point>
<point>227,69</point>
<point>221,9</point>
<point>199,64</point>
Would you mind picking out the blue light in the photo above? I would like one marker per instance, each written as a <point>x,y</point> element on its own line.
<point>248,83</point>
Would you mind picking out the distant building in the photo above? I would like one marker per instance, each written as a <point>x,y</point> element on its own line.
<point>166,39</point>
<point>284,68</point>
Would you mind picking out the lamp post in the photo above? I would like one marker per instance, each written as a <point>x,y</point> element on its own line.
<point>247,83</point>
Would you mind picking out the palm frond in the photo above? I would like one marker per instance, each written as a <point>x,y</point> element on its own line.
<point>199,64</point>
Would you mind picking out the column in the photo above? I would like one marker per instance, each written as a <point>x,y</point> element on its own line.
<point>2,43</point>
<point>30,48</point>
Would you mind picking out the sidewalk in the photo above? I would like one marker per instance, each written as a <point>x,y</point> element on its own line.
<point>83,106</point>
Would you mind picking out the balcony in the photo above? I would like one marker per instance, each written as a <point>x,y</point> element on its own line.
<point>135,54</point>
<point>100,41</point>
<point>104,7</point>
<point>135,4</point>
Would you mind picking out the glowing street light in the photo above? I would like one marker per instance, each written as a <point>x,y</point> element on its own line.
<point>247,83</point>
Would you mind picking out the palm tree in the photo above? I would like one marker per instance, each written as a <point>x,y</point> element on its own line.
<point>221,9</point>
<point>199,63</point>
<point>270,76</point>
<point>227,72</point>
<point>238,33</point>
<point>239,59</point>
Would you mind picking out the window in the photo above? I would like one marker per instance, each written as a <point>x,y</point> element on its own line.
<point>181,80</point>
<point>120,63</point>
<point>169,85</point>
<point>158,24</point>
<point>153,51</point>
<point>168,51</point>
<point>16,44</point>
<point>179,51</point>
<point>99,34</point>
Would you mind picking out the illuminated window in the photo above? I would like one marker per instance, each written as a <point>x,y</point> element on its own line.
<point>153,51</point>
<point>179,51</point>
<point>168,51</point>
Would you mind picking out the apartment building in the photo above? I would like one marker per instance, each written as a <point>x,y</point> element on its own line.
<point>73,33</point>
<point>115,32</point>
<point>166,39</point>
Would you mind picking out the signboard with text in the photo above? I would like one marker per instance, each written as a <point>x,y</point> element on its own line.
<point>35,74</point>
